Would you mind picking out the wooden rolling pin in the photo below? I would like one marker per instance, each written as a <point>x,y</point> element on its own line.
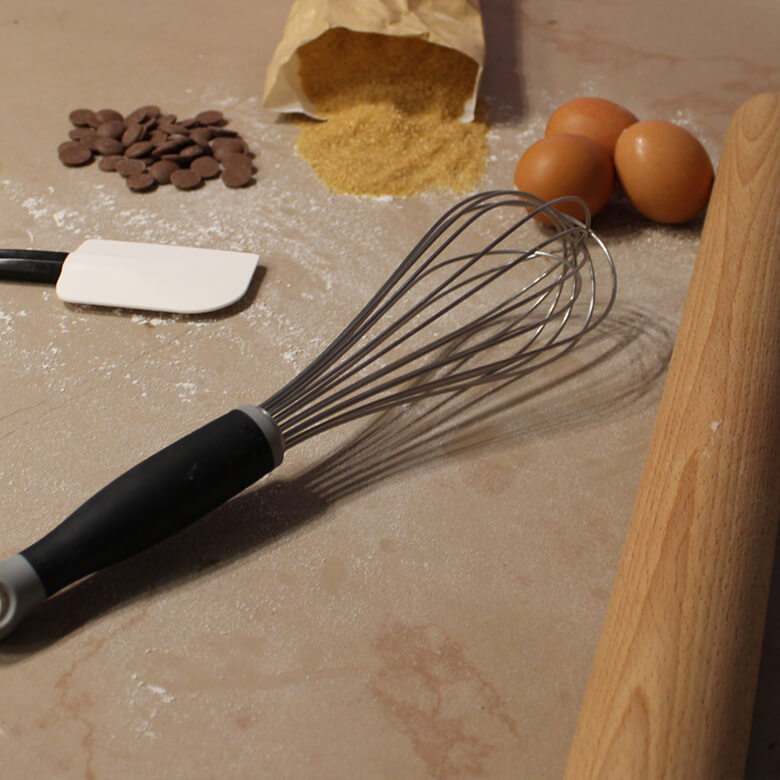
<point>673,682</point>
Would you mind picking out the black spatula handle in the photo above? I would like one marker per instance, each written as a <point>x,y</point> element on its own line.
<point>31,265</point>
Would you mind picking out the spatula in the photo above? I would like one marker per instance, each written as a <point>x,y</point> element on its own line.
<point>125,274</point>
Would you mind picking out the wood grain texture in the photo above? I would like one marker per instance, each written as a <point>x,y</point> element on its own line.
<point>673,682</point>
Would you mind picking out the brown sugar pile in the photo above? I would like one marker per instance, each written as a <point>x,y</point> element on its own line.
<point>392,107</point>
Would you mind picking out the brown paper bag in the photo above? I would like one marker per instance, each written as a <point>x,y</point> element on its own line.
<point>456,24</point>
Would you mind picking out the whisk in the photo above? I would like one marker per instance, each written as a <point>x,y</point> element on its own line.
<point>469,304</point>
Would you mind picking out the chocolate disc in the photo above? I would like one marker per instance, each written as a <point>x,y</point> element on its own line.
<point>185,179</point>
<point>171,145</point>
<point>222,132</point>
<point>139,149</point>
<point>143,114</point>
<point>127,167</point>
<point>191,151</point>
<point>158,136</point>
<point>201,136</point>
<point>107,114</point>
<point>134,132</point>
<point>84,117</point>
<point>104,145</point>
<point>206,167</point>
<point>210,117</point>
<point>84,134</point>
<point>141,182</point>
<point>235,159</point>
<point>74,153</point>
<point>113,128</point>
<point>162,170</point>
<point>109,162</point>
<point>237,176</point>
<point>223,145</point>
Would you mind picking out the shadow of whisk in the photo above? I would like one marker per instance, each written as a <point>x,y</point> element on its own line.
<point>614,370</point>
<point>568,395</point>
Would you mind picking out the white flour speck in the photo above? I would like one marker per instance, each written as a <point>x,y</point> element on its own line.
<point>187,391</point>
<point>165,695</point>
<point>157,690</point>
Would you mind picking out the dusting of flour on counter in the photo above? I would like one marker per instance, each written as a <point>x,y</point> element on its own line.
<point>148,697</point>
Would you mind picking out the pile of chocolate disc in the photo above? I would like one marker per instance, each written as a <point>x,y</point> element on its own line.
<point>149,148</point>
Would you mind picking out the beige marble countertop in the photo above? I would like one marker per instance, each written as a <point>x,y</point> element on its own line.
<point>434,621</point>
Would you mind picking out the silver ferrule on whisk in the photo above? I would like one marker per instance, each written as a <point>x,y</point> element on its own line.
<point>269,428</point>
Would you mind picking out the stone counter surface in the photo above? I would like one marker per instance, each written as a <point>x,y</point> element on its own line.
<point>344,618</point>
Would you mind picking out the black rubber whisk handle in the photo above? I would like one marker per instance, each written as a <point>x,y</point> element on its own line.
<point>153,500</point>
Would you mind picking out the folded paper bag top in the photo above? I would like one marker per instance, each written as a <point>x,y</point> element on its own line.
<point>456,24</point>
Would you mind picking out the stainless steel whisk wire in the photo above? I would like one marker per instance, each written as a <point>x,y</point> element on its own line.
<point>538,313</point>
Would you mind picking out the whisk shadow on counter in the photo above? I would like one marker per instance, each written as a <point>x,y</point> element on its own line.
<point>617,373</point>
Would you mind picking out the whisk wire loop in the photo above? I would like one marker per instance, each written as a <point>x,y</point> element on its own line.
<point>446,320</point>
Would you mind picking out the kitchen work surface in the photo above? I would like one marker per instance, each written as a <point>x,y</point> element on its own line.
<point>419,595</point>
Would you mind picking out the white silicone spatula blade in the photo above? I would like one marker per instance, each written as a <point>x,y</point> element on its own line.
<point>154,277</point>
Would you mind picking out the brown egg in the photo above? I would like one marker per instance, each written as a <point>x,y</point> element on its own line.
<point>664,170</point>
<point>596,118</point>
<point>562,165</point>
